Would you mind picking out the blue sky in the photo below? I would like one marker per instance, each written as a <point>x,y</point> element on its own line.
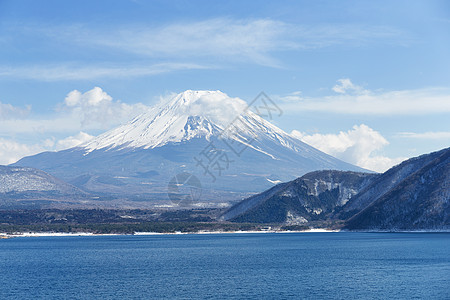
<point>366,81</point>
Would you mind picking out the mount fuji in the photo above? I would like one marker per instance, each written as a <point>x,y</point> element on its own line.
<point>227,146</point>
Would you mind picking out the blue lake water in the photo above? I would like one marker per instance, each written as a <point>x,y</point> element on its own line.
<point>228,266</point>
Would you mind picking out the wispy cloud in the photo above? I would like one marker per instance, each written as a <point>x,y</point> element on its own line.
<point>353,99</point>
<point>78,72</point>
<point>9,111</point>
<point>177,46</point>
<point>230,39</point>
<point>349,35</point>
<point>430,135</point>
<point>219,38</point>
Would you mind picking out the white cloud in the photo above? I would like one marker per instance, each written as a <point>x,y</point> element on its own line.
<point>73,141</point>
<point>358,146</point>
<point>94,97</point>
<point>431,135</point>
<point>212,106</point>
<point>96,107</point>
<point>353,99</point>
<point>11,151</point>
<point>345,85</point>
<point>91,110</point>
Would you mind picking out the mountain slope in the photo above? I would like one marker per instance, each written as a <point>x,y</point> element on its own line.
<point>311,197</point>
<point>421,200</point>
<point>390,180</point>
<point>232,150</point>
<point>414,195</point>
<point>22,187</point>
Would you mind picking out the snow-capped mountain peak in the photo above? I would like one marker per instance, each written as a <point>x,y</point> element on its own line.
<point>191,114</point>
<point>200,114</point>
<point>178,119</point>
<point>205,133</point>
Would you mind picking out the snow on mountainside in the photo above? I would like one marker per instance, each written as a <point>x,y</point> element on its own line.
<point>182,135</point>
<point>414,195</point>
<point>196,114</point>
<point>180,119</point>
<point>312,197</point>
<point>32,188</point>
<point>16,179</point>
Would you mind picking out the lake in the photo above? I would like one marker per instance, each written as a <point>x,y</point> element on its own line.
<point>228,266</point>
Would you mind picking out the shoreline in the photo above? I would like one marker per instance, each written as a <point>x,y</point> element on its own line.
<point>313,230</point>
<point>68,234</point>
